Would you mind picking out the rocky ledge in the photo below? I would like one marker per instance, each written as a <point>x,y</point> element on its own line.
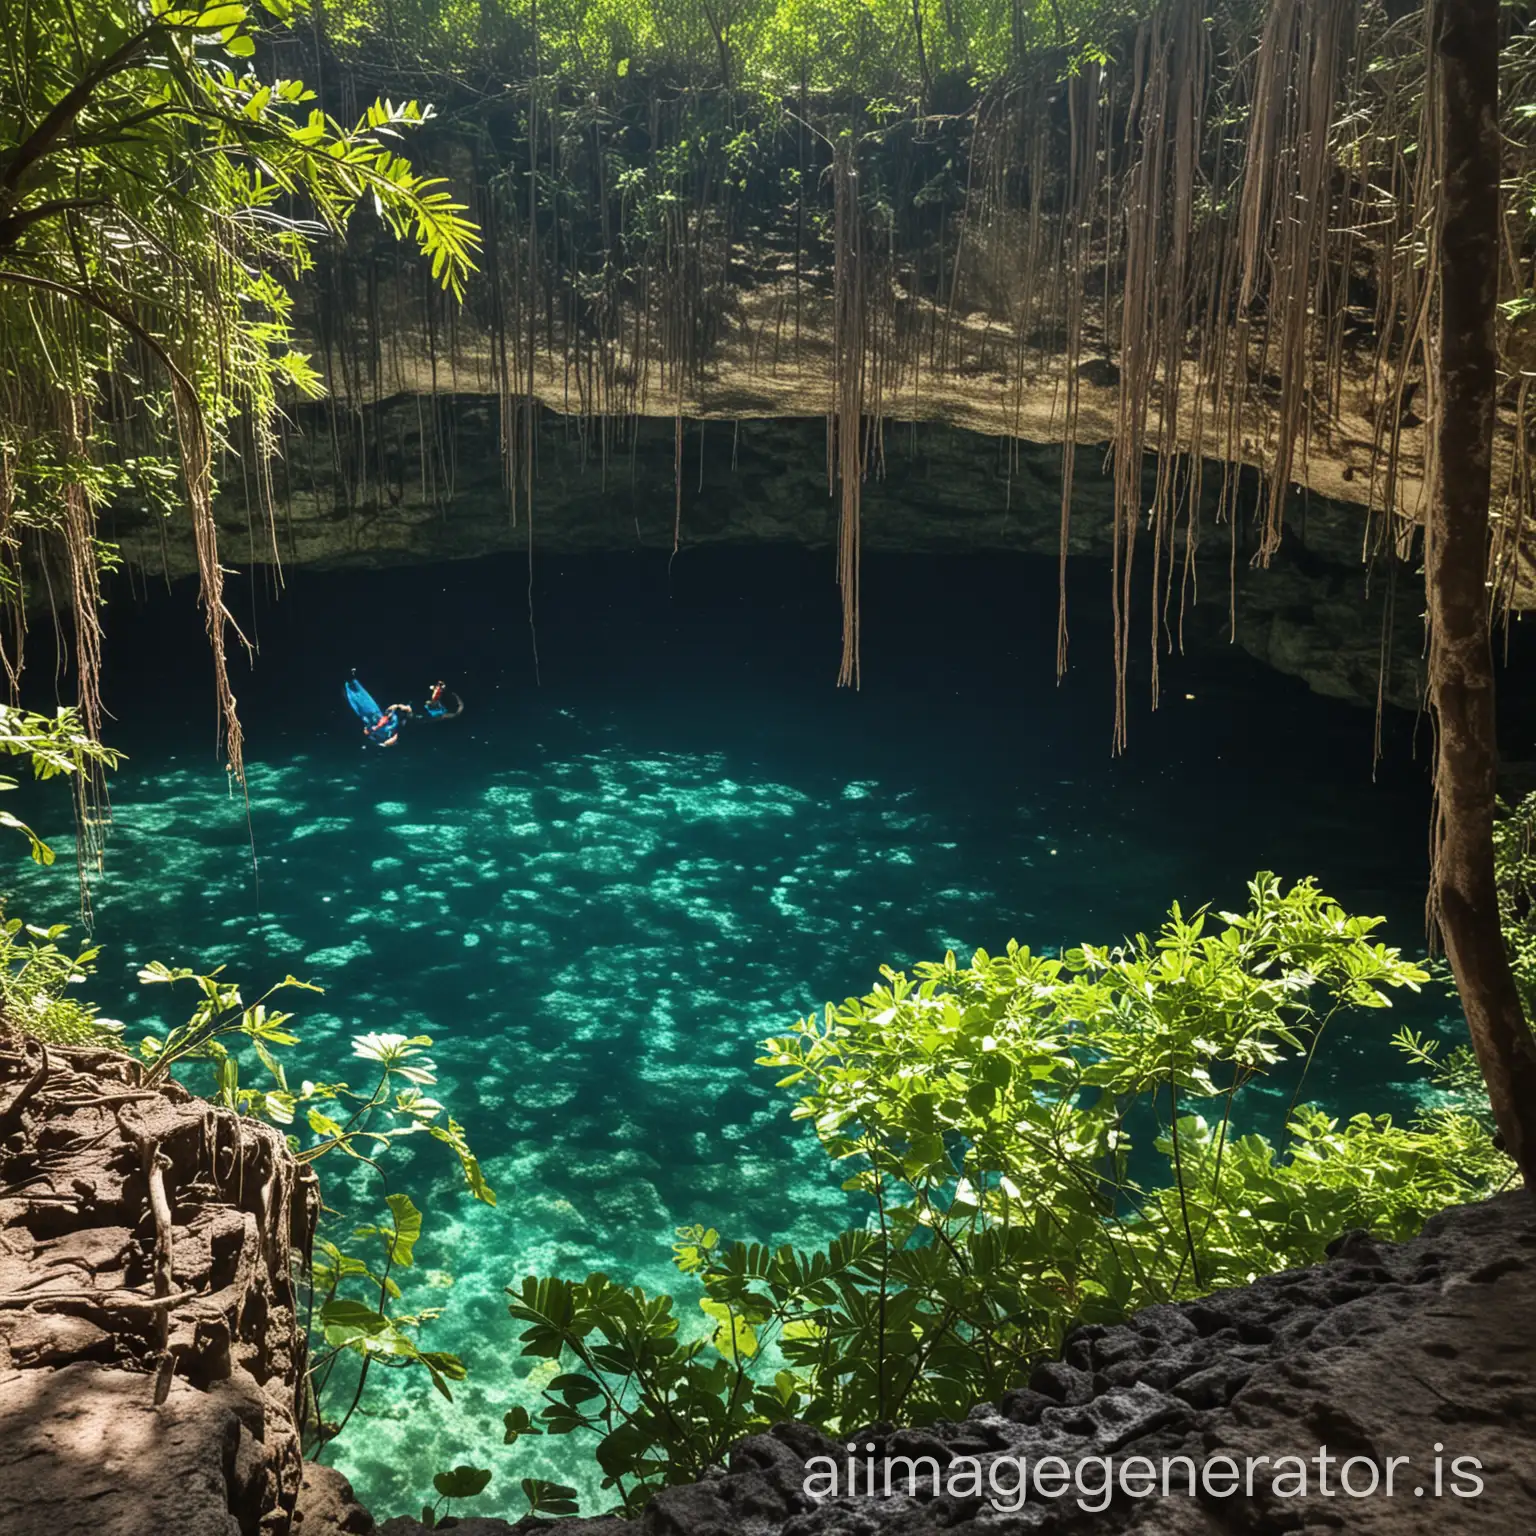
<point>151,1354</point>
<point>1387,1360</point>
<point>411,481</point>
<point>150,1351</point>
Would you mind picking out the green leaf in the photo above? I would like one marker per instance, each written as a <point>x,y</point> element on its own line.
<point>575,1388</point>
<point>462,1482</point>
<point>204,18</point>
<point>518,1423</point>
<point>322,1124</point>
<point>399,1240</point>
<point>733,1337</point>
<point>549,1498</point>
<point>453,1136</point>
<point>346,1322</point>
<point>443,1368</point>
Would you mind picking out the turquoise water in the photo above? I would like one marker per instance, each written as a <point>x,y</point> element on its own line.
<point>597,894</point>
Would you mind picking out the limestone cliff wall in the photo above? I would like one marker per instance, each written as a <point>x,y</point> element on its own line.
<point>149,1360</point>
<point>417,479</point>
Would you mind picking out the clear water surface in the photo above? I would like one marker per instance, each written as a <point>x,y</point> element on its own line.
<point>597,893</point>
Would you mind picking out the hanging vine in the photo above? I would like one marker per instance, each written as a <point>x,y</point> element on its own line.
<point>1173,232</point>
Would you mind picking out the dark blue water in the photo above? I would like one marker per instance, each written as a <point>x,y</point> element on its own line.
<point>598,890</point>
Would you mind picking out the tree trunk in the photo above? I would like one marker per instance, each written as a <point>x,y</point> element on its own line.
<point>1463,895</point>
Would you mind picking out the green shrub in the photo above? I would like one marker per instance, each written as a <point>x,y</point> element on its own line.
<point>1024,1130</point>
<point>35,978</point>
<point>351,1292</point>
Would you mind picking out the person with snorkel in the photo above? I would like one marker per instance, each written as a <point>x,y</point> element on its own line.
<point>436,709</point>
<point>381,727</point>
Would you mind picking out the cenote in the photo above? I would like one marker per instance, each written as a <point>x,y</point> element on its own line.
<point>768,1017</point>
<point>604,883</point>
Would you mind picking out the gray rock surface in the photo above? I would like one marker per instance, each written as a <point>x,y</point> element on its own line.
<point>110,1424</point>
<point>1384,1352</point>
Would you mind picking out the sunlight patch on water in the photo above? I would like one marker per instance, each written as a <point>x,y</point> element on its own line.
<point>596,942</point>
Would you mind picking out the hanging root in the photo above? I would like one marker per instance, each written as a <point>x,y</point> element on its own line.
<point>197,467</point>
<point>848,398</point>
<point>1207,217</point>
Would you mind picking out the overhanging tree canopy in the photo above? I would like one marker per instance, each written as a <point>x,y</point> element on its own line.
<point>156,196</point>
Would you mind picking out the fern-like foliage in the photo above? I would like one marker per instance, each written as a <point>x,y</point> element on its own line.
<point>157,197</point>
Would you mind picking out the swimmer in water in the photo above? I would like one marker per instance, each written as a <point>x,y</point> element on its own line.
<point>441,704</point>
<point>381,727</point>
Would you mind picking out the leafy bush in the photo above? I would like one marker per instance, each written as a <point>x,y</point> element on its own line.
<point>1024,1130</point>
<point>875,47</point>
<point>57,746</point>
<point>350,1298</point>
<point>35,975</point>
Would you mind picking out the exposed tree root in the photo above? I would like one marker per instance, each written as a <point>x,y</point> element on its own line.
<point>147,1244</point>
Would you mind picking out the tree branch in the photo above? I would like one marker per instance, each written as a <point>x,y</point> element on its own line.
<point>1463,886</point>
<point>14,226</point>
<point>69,106</point>
<point>102,305</point>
